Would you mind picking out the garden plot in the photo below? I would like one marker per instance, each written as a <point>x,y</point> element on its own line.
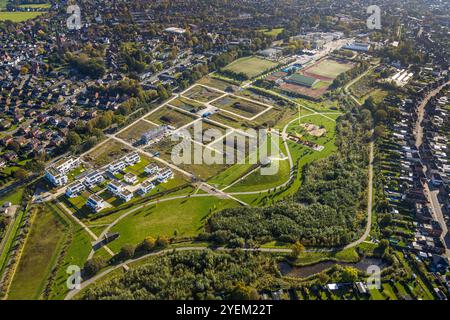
<point>197,131</point>
<point>188,105</point>
<point>240,107</point>
<point>230,120</point>
<point>234,145</point>
<point>171,117</point>
<point>216,83</point>
<point>195,160</point>
<point>202,94</point>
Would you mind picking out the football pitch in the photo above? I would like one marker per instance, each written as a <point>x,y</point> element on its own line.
<point>251,66</point>
<point>329,68</point>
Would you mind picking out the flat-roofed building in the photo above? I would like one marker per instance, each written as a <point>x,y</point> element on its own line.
<point>74,189</point>
<point>130,178</point>
<point>116,166</point>
<point>164,175</point>
<point>151,168</point>
<point>115,187</point>
<point>146,187</point>
<point>95,203</point>
<point>302,80</point>
<point>93,178</point>
<point>66,164</point>
<point>131,158</point>
<point>57,173</point>
<point>126,195</point>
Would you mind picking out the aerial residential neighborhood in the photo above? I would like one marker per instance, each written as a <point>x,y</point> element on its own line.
<point>224,150</point>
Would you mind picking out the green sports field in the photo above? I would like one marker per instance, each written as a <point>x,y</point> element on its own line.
<point>251,66</point>
<point>18,16</point>
<point>329,68</point>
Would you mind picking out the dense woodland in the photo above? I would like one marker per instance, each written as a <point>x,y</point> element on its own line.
<point>194,275</point>
<point>328,209</point>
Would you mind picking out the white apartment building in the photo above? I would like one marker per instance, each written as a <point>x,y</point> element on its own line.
<point>74,189</point>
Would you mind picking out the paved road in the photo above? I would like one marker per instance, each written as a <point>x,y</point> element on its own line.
<point>432,194</point>
<point>418,131</point>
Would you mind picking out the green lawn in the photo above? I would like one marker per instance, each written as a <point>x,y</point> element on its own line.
<point>256,181</point>
<point>230,175</point>
<point>251,66</point>
<point>329,68</point>
<point>76,253</point>
<point>39,254</point>
<point>14,197</point>
<point>18,16</point>
<point>187,216</point>
<point>272,32</point>
<point>36,5</point>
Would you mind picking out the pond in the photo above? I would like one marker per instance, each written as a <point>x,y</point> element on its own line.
<point>306,271</point>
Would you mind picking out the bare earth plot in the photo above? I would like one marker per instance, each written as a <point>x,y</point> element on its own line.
<point>188,105</point>
<point>244,108</point>
<point>135,132</point>
<point>106,153</point>
<point>201,93</point>
<point>169,116</point>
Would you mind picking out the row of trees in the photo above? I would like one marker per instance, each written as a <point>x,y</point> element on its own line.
<point>345,77</point>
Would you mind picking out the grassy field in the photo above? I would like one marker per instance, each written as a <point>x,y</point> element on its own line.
<point>76,253</point>
<point>14,197</point>
<point>251,66</point>
<point>256,181</point>
<point>168,116</point>
<point>215,83</point>
<point>41,249</point>
<point>36,5</point>
<point>329,68</point>
<point>186,216</point>
<point>202,94</point>
<point>239,106</point>
<point>272,32</point>
<point>18,16</point>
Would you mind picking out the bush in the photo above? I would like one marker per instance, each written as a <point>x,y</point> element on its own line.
<point>162,242</point>
<point>148,244</point>
<point>127,252</point>
<point>93,266</point>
